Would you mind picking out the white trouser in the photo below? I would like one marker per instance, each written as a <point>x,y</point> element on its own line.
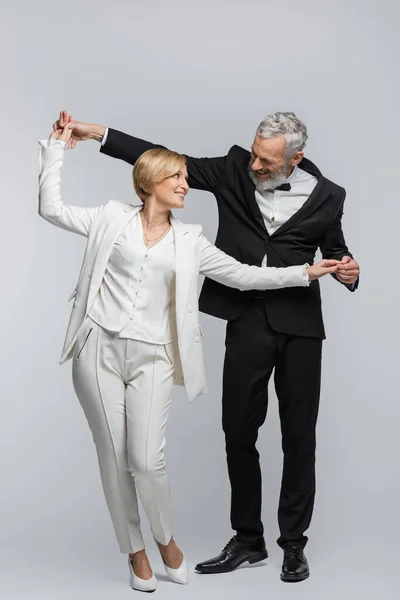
<point>125,389</point>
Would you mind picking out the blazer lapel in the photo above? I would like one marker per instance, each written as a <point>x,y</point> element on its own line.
<point>183,269</point>
<point>104,250</point>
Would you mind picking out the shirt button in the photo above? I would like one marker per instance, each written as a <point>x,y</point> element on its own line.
<point>190,309</point>
<point>197,339</point>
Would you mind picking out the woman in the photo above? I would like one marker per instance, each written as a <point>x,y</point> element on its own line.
<point>134,331</point>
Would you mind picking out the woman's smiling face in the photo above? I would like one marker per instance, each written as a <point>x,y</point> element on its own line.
<point>171,192</point>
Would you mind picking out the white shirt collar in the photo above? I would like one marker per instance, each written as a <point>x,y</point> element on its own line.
<point>293,175</point>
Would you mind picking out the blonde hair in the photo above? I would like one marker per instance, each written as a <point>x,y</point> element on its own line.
<point>154,166</point>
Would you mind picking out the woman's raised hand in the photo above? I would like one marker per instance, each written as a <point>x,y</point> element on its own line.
<point>63,134</point>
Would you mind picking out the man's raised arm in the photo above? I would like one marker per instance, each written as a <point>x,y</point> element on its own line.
<point>204,173</point>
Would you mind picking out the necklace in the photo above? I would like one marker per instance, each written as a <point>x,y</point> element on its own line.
<point>153,224</point>
<point>148,240</point>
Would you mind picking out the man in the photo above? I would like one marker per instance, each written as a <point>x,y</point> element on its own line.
<point>275,208</point>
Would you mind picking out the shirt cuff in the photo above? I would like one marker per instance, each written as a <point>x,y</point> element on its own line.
<point>104,139</point>
<point>305,275</point>
<point>52,143</point>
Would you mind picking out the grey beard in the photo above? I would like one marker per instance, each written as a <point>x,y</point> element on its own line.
<point>271,183</point>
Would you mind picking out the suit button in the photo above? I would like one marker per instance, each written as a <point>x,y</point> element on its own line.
<point>190,309</point>
<point>197,339</point>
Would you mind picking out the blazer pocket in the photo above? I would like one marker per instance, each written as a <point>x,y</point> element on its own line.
<point>84,343</point>
<point>169,351</point>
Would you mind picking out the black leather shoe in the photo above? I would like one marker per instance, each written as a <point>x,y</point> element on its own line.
<point>233,555</point>
<point>295,565</point>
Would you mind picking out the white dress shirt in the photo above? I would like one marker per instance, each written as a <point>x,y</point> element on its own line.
<point>278,206</point>
<point>137,294</point>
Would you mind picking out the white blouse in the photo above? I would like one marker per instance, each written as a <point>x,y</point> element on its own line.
<point>137,295</point>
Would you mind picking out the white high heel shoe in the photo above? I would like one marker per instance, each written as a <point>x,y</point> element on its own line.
<point>141,585</point>
<point>179,575</point>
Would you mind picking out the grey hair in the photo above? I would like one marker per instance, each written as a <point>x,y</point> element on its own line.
<point>288,125</point>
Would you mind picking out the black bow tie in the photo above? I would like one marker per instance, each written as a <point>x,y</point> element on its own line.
<point>285,187</point>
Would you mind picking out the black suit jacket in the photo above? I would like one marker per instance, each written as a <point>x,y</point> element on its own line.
<point>242,234</point>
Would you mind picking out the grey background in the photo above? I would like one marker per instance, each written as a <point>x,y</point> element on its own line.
<point>198,77</point>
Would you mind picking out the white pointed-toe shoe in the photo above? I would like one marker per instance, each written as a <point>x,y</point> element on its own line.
<point>141,585</point>
<point>179,575</point>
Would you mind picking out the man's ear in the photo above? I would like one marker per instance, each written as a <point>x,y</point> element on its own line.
<point>297,158</point>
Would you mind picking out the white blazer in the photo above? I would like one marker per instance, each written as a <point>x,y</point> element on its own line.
<point>194,255</point>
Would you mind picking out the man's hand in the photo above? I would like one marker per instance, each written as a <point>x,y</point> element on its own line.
<point>348,270</point>
<point>80,131</point>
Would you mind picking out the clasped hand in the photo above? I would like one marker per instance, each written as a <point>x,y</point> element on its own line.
<point>62,133</point>
<point>348,270</point>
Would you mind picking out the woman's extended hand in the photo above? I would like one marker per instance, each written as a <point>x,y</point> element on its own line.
<point>63,134</point>
<point>322,268</point>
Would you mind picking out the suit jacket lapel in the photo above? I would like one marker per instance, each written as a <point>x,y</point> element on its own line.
<point>316,198</point>
<point>103,253</point>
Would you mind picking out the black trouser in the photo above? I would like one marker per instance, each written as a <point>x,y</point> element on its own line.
<point>253,349</point>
